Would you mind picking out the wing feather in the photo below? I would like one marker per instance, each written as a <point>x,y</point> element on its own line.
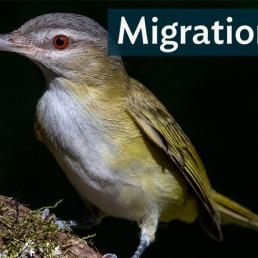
<point>154,119</point>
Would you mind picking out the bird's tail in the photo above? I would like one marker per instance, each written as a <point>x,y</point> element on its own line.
<point>233,213</point>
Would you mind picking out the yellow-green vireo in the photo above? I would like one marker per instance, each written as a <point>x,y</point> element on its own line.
<point>118,145</point>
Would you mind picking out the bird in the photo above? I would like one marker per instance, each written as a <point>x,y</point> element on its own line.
<point>118,145</point>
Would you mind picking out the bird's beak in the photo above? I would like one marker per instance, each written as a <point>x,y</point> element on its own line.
<point>4,43</point>
<point>13,43</point>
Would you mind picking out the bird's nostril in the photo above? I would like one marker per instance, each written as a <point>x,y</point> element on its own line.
<point>10,39</point>
<point>16,39</point>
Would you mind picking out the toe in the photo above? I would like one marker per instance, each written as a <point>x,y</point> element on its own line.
<point>45,214</point>
<point>109,256</point>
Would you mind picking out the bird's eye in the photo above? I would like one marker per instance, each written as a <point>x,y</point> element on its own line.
<point>60,42</point>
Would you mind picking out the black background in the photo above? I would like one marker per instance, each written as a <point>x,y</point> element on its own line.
<point>214,99</point>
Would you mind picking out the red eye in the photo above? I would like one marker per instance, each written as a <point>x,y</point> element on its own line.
<point>60,42</point>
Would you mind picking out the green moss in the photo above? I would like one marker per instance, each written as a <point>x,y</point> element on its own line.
<point>23,233</point>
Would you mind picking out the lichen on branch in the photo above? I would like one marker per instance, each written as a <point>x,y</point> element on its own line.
<point>24,233</point>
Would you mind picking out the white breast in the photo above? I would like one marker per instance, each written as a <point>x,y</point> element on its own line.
<point>75,139</point>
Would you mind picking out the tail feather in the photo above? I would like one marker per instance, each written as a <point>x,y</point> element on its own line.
<point>233,213</point>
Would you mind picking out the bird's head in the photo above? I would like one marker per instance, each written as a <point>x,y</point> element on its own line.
<point>64,45</point>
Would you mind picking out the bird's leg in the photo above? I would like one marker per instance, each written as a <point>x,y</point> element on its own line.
<point>92,217</point>
<point>144,243</point>
<point>148,227</point>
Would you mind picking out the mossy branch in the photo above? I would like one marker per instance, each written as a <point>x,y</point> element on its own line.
<point>23,233</point>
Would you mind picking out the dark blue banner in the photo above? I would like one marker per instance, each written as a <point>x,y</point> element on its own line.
<point>183,32</point>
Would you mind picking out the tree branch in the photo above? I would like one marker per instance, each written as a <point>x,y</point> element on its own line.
<point>24,233</point>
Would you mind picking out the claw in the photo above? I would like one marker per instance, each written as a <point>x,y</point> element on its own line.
<point>109,256</point>
<point>45,214</point>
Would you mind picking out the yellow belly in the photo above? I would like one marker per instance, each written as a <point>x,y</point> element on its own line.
<point>158,178</point>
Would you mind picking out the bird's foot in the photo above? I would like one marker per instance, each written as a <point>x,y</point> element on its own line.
<point>109,256</point>
<point>45,215</point>
<point>74,224</point>
<point>66,223</point>
<point>85,223</point>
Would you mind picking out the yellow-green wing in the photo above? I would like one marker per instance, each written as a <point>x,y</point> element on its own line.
<point>163,130</point>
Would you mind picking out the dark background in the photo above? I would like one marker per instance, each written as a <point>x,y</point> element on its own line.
<point>213,98</point>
